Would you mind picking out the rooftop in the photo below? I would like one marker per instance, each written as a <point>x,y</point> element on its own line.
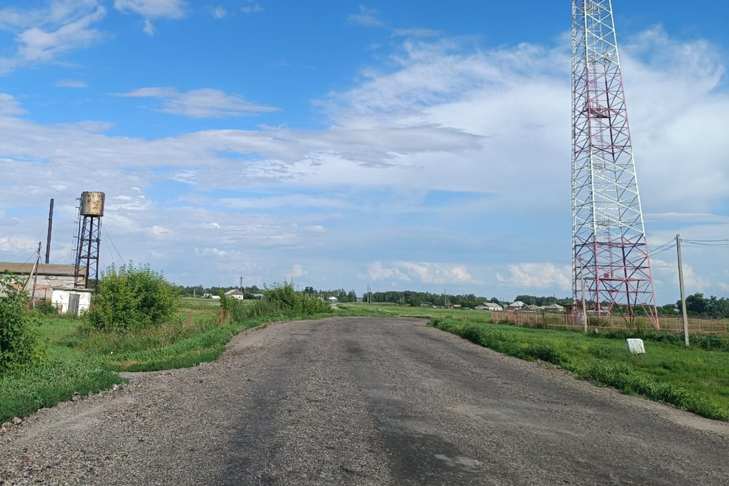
<point>43,269</point>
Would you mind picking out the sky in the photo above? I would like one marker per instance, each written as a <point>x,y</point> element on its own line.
<point>397,145</point>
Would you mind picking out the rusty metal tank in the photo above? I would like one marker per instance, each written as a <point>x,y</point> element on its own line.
<point>92,203</point>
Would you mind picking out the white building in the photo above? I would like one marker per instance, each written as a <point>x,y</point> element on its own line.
<point>490,306</point>
<point>518,305</point>
<point>73,302</point>
<point>553,308</point>
<point>236,294</point>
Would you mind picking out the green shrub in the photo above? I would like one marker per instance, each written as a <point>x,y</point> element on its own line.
<point>45,308</point>
<point>279,302</point>
<point>131,298</point>
<point>18,327</point>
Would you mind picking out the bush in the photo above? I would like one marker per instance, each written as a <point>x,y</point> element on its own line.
<point>279,302</point>
<point>45,308</point>
<point>18,336</point>
<point>131,298</point>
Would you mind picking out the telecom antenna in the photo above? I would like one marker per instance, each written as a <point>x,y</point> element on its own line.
<point>610,251</point>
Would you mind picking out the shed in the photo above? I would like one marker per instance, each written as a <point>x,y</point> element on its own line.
<point>71,302</point>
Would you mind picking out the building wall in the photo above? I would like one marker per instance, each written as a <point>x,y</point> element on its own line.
<point>60,299</point>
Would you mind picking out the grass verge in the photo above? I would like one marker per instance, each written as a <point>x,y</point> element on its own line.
<point>693,379</point>
<point>82,361</point>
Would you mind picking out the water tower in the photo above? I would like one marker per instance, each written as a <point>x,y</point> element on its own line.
<point>88,241</point>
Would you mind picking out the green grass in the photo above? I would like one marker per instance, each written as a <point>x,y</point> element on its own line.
<point>83,361</point>
<point>408,311</point>
<point>694,379</point>
<point>65,370</point>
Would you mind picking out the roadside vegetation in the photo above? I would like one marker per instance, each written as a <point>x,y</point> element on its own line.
<point>137,323</point>
<point>694,379</point>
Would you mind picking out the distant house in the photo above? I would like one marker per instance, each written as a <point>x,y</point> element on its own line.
<point>531,308</point>
<point>236,294</point>
<point>553,308</point>
<point>518,305</point>
<point>490,306</point>
<point>332,300</point>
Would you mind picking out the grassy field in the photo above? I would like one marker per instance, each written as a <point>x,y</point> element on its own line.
<point>694,379</point>
<point>80,361</point>
<point>408,311</point>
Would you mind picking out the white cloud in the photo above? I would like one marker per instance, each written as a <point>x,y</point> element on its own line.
<point>43,34</point>
<point>420,272</point>
<point>9,106</point>
<point>12,244</point>
<point>153,9</point>
<point>537,276</point>
<point>171,9</point>
<point>251,7</point>
<point>158,231</point>
<point>72,83</point>
<point>366,17</point>
<point>200,103</point>
<point>219,12</point>
<point>297,271</point>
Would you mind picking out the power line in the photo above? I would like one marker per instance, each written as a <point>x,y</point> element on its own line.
<point>111,240</point>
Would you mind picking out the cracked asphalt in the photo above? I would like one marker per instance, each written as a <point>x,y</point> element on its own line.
<point>363,401</point>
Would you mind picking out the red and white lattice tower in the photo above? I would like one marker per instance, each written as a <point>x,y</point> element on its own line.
<point>611,261</point>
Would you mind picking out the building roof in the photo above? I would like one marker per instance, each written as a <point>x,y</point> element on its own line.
<point>234,292</point>
<point>43,269</point>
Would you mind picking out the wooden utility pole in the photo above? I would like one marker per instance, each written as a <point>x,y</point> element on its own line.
<point>682,289</point>
<point>34,276</point>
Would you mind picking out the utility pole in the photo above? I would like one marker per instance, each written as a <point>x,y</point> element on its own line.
<point>242,290</point>
<point>682,289</point>
<point>50,231</point>
<point>34,274</point>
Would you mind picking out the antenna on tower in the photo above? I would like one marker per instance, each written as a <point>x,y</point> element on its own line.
<point>609,248</point>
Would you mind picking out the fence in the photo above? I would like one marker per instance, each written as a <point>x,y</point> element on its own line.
<point>549,320</point>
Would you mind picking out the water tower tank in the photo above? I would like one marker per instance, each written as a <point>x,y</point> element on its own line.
<point>92,204</point>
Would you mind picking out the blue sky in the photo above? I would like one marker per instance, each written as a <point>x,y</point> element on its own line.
<point>346,144</point>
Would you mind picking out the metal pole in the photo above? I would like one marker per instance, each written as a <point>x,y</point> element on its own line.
<point>50,231</point>
<point>584,306</point>
<point>88,252</point>
<point>682,289</point>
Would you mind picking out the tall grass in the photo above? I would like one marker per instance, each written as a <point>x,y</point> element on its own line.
<point>691,379</point>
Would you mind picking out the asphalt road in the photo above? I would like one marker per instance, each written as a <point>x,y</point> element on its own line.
<point>364,401</point>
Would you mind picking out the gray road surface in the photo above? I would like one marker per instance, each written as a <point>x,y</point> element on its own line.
<point>364,401</point>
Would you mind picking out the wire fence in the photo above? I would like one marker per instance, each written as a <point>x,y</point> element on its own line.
<point>569,321</point>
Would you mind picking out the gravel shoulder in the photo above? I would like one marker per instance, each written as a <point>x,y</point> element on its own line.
<point>363,401</point>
